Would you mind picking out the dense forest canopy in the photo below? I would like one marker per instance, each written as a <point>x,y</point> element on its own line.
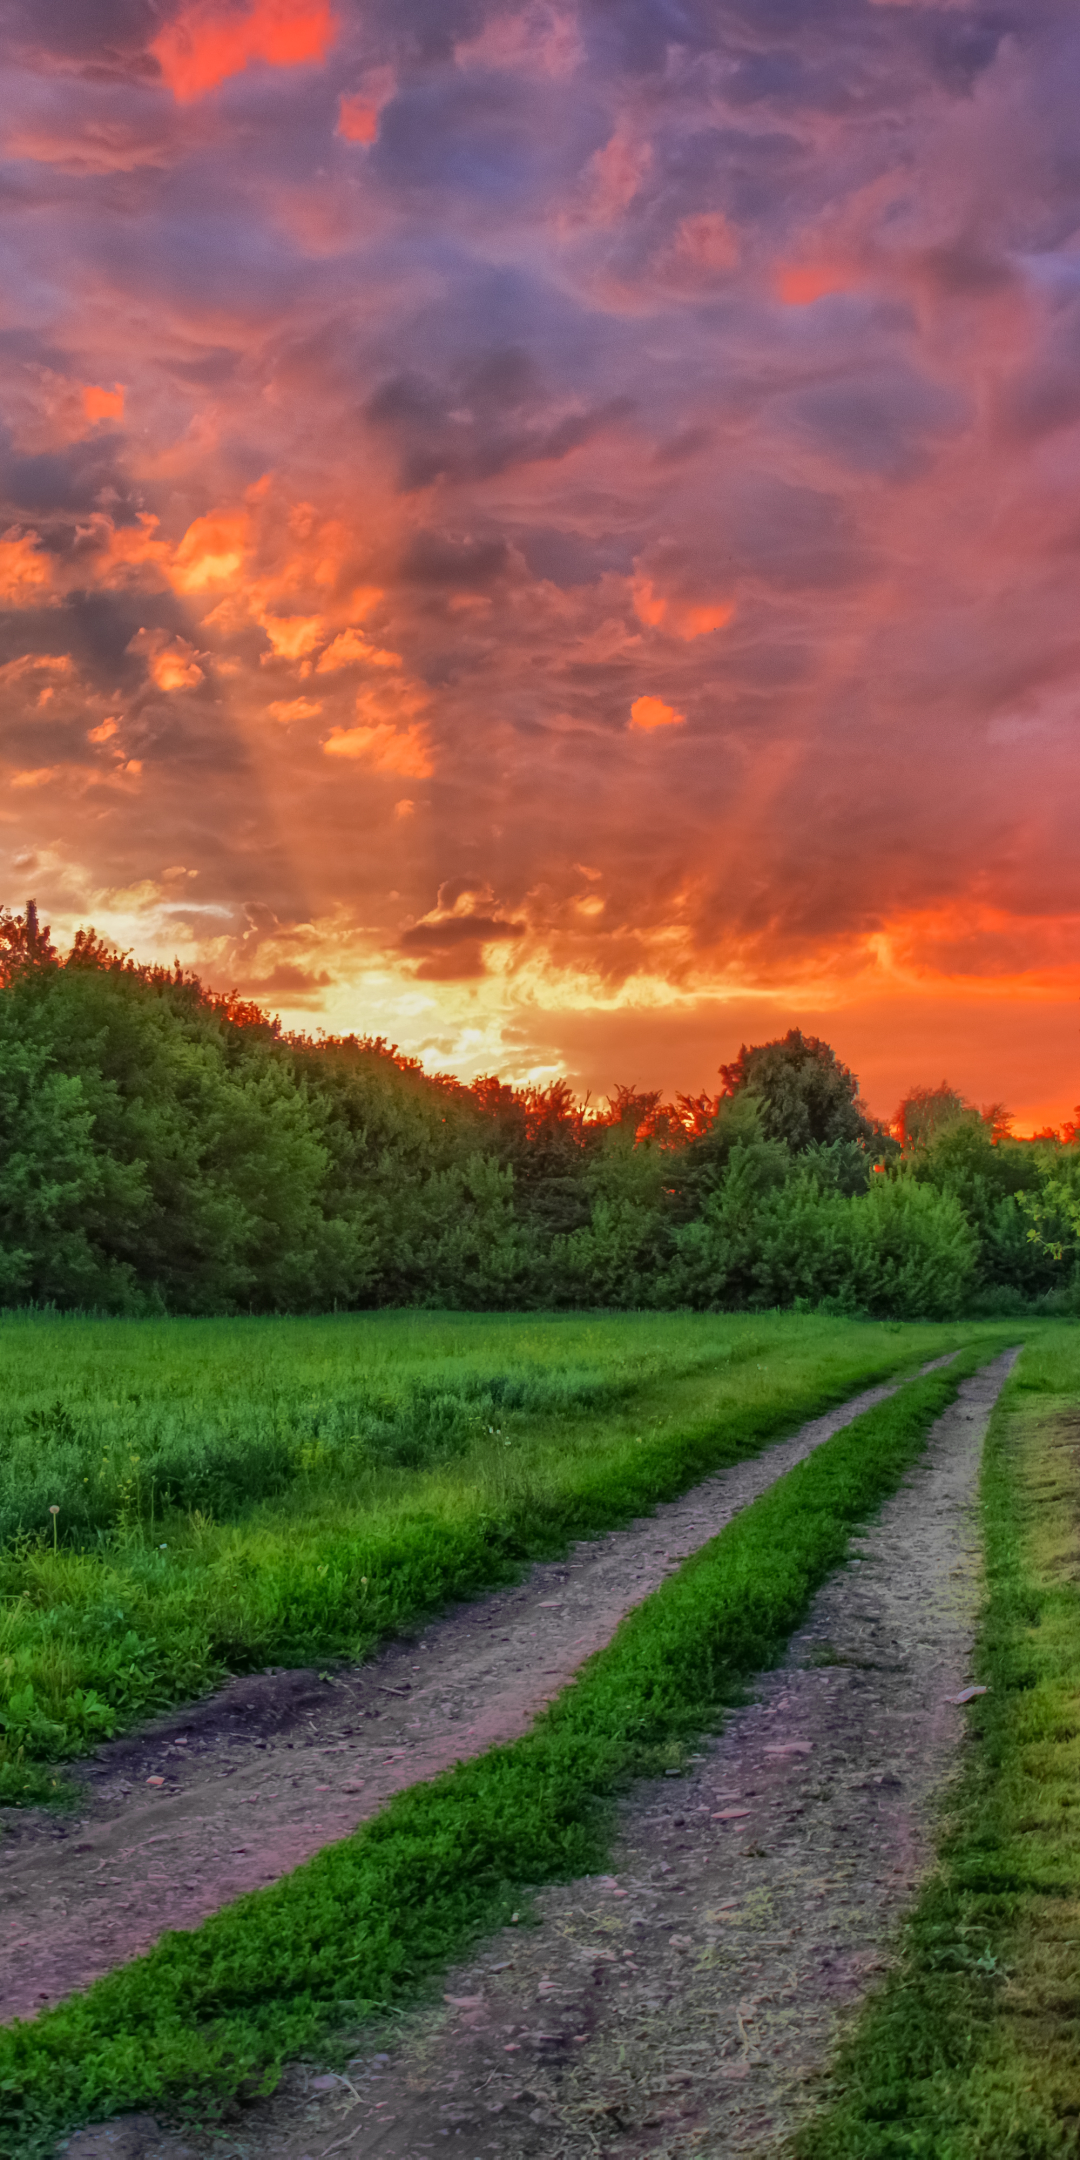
<point>163,1148</point>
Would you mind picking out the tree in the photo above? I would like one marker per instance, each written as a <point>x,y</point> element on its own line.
<point>925,1110</point>
<point>806,1096</point>
<point>25,943</point>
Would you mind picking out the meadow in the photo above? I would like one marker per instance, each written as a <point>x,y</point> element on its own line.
<point>183,1499</point>
<point>369,1924</point>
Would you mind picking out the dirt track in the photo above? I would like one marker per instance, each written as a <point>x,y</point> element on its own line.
<point>238,1790</point>
<point>687,2004</point>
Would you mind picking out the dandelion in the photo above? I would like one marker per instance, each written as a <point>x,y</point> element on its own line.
<point>54,1512</point>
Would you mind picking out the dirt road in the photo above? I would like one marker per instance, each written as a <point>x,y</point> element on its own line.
<point>688,2003</point>
<point>238,1790</point>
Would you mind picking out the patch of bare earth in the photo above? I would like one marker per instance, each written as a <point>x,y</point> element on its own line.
<point>237,1790</point>
<point>689,2002</point>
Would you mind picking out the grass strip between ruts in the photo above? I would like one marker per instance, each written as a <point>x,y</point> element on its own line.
<point>368,1923</point>
<point>972,2050</point>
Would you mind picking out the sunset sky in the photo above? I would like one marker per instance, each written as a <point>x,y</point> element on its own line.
<point>552,532</point>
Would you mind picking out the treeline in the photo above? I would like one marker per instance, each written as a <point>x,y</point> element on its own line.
<point>163,1149</point>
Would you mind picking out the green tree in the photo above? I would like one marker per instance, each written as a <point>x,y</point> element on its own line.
<point>926,1111</point>
<point>807,1096</point>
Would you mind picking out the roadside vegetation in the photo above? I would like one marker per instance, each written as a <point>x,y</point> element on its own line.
<point>163,1149</point>
<point>369,1923</point>
<point>973,2048</point>
<point>183,1499</point>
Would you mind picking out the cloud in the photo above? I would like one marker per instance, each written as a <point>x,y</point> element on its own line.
<point>293,636</point>
<point>25,572</point>
<point>349,648</point>
<point>40,776</point>
<point>647,713</point>
<point>210,40</point>
<point>90,144</point>
<point>288,709</point>
<point>536,40</point>
<point>385,748</point>
<point>614,176</point>
<point>800,284</point>
<point>592,374</point>
<point>99,404</point>
<point>683,617</point>
<point>211,551</point>
<point>359,110</point>
<point>704,249</point>
<point>452,941</point>
<point>35,664</point>
<point>171,663</point>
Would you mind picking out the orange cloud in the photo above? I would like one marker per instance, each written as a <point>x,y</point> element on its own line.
<point>358,120</point>
<point>350,646</point>
<point>386,748</point>
<point>131,549</point>
<point>39,777</point>
<point>211,549</point>
<point>24,571</point>
<point>300,708</point>
<point>291,636</point>
<point>800,284</point>
<point>37,663</point>
<point>99,404</point>
<point>102,734</point>
<point>648,713</point>
<point>684,618</point>
<point>209,40</point>
<point>171,666</point>
<point>358,115</point>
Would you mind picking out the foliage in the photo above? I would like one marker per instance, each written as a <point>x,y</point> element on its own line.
<point>371,1921</point>
<point>163,1149</point>
<point>924,1111</point>
<point>806,1095</point>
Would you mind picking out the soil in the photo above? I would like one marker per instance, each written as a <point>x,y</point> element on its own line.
<point>237,1790</point>
<point>689,2002</point>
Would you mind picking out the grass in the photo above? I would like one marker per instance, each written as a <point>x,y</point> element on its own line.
<point>243,1493</point>
<point>973,2048</point>
<point>368,1923</point>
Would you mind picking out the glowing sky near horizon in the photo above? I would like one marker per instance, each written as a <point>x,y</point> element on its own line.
<point>552,532</point>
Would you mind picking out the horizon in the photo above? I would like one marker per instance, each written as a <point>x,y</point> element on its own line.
<point>546,533</point>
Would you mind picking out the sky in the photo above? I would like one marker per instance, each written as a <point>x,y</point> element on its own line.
<point>549,532</point>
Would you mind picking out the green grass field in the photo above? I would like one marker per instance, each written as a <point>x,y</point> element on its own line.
<point>231,1494</point>
<point>370,1923</point>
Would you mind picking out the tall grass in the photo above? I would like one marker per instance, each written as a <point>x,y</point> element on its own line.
<point>239,1493</point>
